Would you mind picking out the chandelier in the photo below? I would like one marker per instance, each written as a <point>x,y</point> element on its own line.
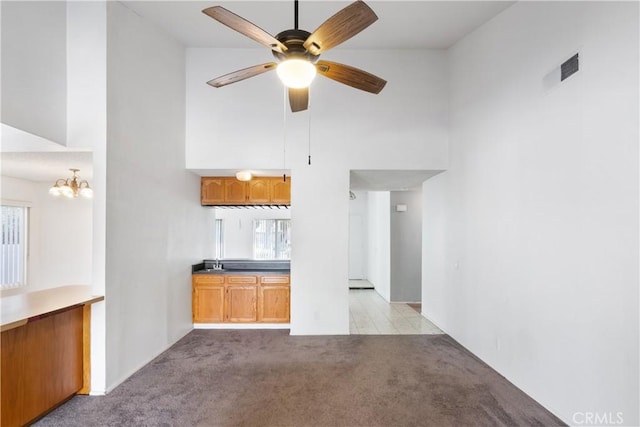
<point>71,187</point>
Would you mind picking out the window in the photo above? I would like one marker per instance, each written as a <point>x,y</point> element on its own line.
<point>219,239</point>
<point>272,239</point>
<point>13,247</point>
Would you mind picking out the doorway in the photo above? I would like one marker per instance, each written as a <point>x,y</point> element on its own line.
<point>385,251</point>
<point>357,248</point>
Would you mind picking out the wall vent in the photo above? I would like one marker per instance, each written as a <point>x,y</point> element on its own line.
<point>569,67</point>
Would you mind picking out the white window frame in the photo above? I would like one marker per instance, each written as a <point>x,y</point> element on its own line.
<point>274,239</point>
<point>24,248</point>
<point>219,238</point>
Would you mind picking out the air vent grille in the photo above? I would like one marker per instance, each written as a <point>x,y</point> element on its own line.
<point>569,67</point>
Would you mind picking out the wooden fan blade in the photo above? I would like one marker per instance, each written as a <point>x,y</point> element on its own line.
<point>340,27</point>
<point>245,27</point>
<point>245,73</point>
<point>351,76</point>
<point>299,99</point>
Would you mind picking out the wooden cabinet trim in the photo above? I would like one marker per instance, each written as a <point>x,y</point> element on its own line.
<point>208,279</point>
<point>274,279</point>
<point>241,280</point>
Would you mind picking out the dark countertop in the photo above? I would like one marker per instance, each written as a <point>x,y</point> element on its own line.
<point>241,266</point>
<point>241,272</point>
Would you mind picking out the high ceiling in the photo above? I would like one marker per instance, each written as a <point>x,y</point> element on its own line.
<point>46,165</point>
<point>401,24</point>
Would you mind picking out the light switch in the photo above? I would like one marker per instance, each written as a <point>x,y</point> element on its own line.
<point>401,208</point>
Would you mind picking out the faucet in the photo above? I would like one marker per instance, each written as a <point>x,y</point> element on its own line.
<point>217,265</point>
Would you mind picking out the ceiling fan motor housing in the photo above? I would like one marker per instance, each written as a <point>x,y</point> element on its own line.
<point>294,40</point>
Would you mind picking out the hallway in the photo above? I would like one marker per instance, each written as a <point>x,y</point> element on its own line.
<point>370,314</point>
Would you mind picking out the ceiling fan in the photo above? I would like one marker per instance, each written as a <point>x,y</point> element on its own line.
<point>297,52</point>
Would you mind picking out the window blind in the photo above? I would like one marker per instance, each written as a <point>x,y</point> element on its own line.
<point>13,247</point>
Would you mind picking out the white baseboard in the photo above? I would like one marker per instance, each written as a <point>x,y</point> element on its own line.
<point>241,326</point>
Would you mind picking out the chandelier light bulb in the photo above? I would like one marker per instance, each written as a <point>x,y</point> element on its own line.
<point>55,190</point>
<point>67,191</point>
<point>86,192</point>
<point>296,73</point>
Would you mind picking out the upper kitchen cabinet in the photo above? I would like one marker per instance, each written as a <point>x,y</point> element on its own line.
<point>281,190</point>
<point>212,191</point>
<point>235,192</point>
<point>260,191</point>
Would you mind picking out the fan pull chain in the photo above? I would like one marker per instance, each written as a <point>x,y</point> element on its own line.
<point>309,127</point>
<point>284,135</point>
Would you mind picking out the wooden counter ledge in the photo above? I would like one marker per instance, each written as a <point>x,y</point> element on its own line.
<point>45,350</point>
<point>16,310</point>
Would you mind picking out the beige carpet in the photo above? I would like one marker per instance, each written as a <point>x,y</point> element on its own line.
<point>268,378</point>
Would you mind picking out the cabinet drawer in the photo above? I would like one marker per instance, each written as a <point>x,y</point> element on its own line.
<point>208,280</point>
<point>242,280</point>
<point>268,280</point>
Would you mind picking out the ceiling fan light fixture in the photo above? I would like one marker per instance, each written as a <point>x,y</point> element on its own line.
<point>296,73</point>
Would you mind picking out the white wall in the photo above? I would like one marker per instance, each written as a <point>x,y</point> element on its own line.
<point>238,229</point>
<point>66,105</point>
<point>379,254</point>
<point>87,130</point>
<point>406,246</point>
<point>383,131</point>
<point>539,208</point>
<point>358,235</point>
<point>241,125</point>
<point>60,234</point>
<point>155,225</point>
<point>34,68</point>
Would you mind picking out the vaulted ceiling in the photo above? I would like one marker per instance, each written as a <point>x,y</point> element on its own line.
<point>401,24</point>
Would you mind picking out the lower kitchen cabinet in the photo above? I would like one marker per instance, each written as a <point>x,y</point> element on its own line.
<point>208,299</point>
<point>274,299</point>
<point>242,304</point>
<point>223,298</point>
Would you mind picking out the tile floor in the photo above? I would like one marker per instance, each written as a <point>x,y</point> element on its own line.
<point>370,314</point>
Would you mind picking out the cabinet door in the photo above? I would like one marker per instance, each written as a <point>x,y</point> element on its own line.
<point>281,191</point>
<point>274,304</point>
<point>242,303</point>
<point>211,191</point>
<point>208,303</point>
<point>259,191</point>
<point>235,192</point>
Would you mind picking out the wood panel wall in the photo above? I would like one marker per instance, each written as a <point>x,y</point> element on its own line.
<point>42,365</point>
